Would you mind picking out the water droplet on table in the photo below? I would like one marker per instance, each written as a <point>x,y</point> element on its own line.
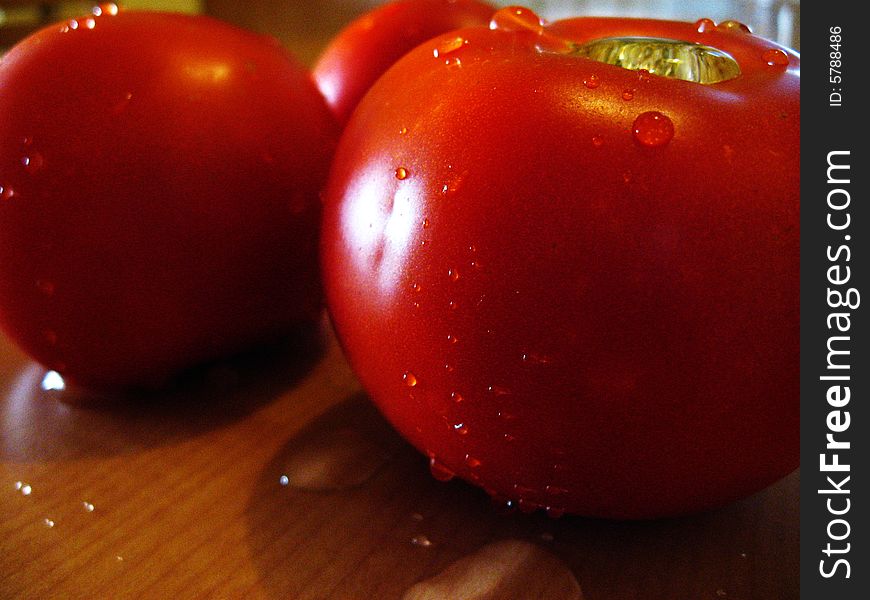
<point>504,569</point>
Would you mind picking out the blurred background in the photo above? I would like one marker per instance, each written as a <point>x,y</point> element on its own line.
<point>306,27</point>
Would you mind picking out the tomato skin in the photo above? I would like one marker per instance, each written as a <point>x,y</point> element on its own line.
<point>366,48</point>
<point>161,177</point>
<point>550,309</point>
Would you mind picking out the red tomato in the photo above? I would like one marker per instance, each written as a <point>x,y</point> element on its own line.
<point>366,48</point>
<point>572,283</point>
<point>160,178</point>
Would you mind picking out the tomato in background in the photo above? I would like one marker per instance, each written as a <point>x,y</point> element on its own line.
<point>160,179</point>
<point>366,48</point>
<point>571,283</point>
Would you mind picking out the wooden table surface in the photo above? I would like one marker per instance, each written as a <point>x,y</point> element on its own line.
<point>271,476</point>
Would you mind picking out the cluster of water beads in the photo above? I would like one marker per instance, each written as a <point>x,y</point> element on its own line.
<point>685,60</point>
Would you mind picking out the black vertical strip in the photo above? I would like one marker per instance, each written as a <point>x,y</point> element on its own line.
<point>835,366</point>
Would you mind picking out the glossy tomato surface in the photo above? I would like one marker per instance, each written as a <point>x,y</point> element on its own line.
<point>571,283</point>
<point>160,177</point>
<point>366,48</point>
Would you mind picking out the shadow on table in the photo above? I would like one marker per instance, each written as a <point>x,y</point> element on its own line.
<point>42,419</point>
<point>348,510</point>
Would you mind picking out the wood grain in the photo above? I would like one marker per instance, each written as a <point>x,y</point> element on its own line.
<point>190,500</point>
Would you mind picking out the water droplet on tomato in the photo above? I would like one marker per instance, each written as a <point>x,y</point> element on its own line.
<point>775,57</point>
<point>472,462</point>
<point>90,23</point>
<point>122,104</point>
<point>88,507</point>
<point>627,94</point>
<point>425,223</point>
<point>453,274</point>
<point>32,162</point>
<point>421,541</point>
<point>643,75</point>
<point>45,286</point>
<point>597,141</point>
<point>508,437</point>
<point>592,82</point>
<point>517,18</point>
<point>403,131</point>
<point>704,25</point>
<point>48,522</point>
<point>401,173</point>
<point>452,339</point>
<point>452,305</point>
<point>284,480</point>
<point>456,397</point>
<point>27,140</point>
<point>417,287</point>
<point>555,512</point>
<point>409,379</point>
<point>554,490</point>
<point>653,129</point>
<point>72,25</point>
<point>536,359</point>
<point>439,470</point>
<point>449,45</point>
<point>25,488</point>
<point>106,9</point>
<point>498,390</point>
<point>734,26</point>
<point>6,192</point>
<point>460,428</point>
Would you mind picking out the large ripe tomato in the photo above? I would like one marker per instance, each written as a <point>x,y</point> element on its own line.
<point>160,177</point>
<point>366,48</point>
<point>572,283</point>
